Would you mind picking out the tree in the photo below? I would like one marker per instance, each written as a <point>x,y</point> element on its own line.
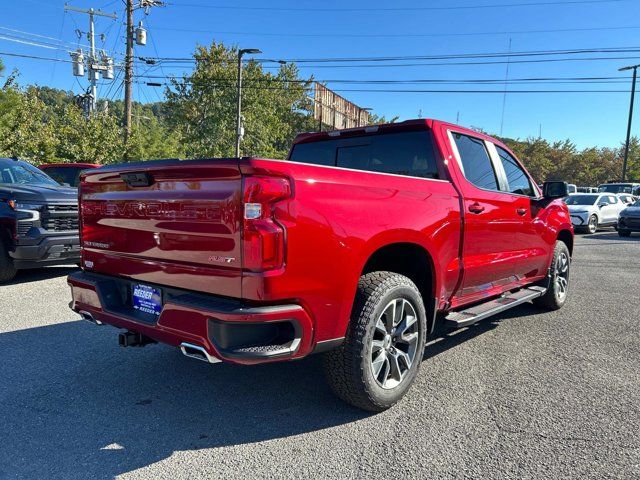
<point>203,106</point>
<point>26,127</point>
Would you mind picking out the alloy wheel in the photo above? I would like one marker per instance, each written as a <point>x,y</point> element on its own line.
<point>562,276</point>
<point>394,343</point>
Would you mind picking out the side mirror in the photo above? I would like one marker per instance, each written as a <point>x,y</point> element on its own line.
<point>555,189</point>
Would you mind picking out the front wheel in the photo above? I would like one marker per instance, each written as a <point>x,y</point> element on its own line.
<point>7,269</point>
<point>381,355</point>
<point>558,289</point>
<point>592,226</point>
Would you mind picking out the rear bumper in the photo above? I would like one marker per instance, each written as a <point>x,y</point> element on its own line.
<point>46,250</point>
<point>228,330</point>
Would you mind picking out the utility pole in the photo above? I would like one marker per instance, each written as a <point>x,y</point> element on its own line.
<point>95,67</point>
<point>128,73</point>
<point>239,126</point>
<point>633,94</point>
<point>139,36</point>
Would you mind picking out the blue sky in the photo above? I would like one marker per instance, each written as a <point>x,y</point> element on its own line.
<point>589,119</point>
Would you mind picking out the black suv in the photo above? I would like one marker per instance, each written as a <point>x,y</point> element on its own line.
<point>38,219</point>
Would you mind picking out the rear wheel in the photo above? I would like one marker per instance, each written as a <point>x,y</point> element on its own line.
<point>381,355</point>
<point>592,226</point>
<point>556,294</point>
<point>7,269</point>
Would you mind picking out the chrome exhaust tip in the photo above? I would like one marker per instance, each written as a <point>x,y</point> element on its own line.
<point>199,353</point>
<point>84,315</point>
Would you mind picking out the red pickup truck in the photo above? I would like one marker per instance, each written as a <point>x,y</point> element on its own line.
<point>355,246</point>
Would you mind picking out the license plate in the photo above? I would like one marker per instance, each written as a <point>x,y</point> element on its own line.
<point>147,299</point>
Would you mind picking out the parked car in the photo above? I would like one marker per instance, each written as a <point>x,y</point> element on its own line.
<point>571,188</point>
<point>629,220</point>
<point>590,211</point>
<point>354,246</point>
<point>38,219</point>
<point>632,188</point>
<point>67,174</point>
<point>627,198</point>
<point>587,190</point>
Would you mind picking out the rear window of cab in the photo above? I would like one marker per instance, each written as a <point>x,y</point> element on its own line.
<point>400,153</point>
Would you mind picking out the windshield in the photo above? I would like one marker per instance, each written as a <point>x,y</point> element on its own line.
<point>15,172</point>
<point>616,188</point>
<point>581,200</point>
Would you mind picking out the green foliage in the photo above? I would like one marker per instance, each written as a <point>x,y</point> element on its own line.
<point>203,107</point>
<point>41,124</point>
<point>27,128</point>
<point>563,161</point>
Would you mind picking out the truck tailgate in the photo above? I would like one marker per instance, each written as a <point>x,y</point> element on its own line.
<point>174,223</point>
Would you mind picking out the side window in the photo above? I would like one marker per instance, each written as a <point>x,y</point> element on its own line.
<point>604,200</point>
<point>316,153</point>
<point>405,153</point>
<point>517,179</point>
<point>402,153</point>
<point>476,164</point>
<point>613,200</point>
<point>354,156</point>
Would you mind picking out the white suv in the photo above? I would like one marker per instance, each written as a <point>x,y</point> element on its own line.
<point>589,211</point>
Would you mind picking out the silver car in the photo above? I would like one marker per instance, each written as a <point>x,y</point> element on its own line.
<point>627,198</point>
<point>589,211</point>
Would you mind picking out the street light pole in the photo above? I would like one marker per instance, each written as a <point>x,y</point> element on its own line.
<point>239,127</point>
<point>633,94</point>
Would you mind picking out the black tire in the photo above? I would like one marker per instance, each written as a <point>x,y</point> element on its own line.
<point>368,347</point>
<point>7,269</point>
<point>554,299</point>
<point>624,233</point>
<point>592,225</point>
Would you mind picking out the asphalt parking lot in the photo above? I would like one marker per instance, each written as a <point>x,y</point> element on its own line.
<point>526,395</point>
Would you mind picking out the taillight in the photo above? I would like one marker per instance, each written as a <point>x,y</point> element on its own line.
<point>263,237</point>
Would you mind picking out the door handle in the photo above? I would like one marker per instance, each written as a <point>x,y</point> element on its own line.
<point>476,208</point>
<point>521,211</point>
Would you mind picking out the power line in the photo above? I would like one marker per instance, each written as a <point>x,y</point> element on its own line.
<point>575,51</point>
<point>395,9</point>
<point>416,90</point>
<point>45,37</point>
<point>435,64</point>
<point>34,57</point>
<point>616,79</point>
<point>399,35</point>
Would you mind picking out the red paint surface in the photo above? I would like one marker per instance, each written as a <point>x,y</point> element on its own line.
<point>186,231</point>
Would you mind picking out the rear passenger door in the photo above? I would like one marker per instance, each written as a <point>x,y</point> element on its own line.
<point>612,209</point>
<point>491,225</point>
<point>532,259</point>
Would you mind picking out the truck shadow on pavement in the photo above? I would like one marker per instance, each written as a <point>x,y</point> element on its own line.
<point>444,338</point>
<point>38,274</point>
<point>75,405</point>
